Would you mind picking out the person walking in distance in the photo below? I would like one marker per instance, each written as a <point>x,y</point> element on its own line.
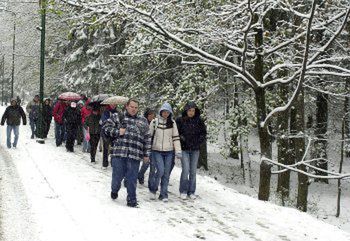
<point>32,109</point>
<point>72,120</point>
<point>57,113</point>
<point>47,114</point>
<point>12,116</point>
<point>131,143</point>
<point>93,127</point>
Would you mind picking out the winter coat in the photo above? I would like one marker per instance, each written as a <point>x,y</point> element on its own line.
<point>85,112</point>
<point>92,121</point>
<point>58,111</point>
<point>47,113</point>
<point>12,116</point>
<point>165,138</point>
<point>192,130</point>
<point>135,143</point>
<point>72,118</point>
<point>32,109</point>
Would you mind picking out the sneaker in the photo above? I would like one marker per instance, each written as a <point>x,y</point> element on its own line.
<point>93,162</point>
<point>104,168</point>
<point>152,196</point>
<point>192,196</point>
<point>163,198</point>
<point>114,195</point>
<point>183,196</point>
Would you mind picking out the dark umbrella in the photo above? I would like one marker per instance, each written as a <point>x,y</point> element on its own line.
<point>70,96</point>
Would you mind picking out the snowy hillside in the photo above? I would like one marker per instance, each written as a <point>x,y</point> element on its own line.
<point>48,194</point>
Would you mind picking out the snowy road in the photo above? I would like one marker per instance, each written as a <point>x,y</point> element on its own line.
<point>48,194</point>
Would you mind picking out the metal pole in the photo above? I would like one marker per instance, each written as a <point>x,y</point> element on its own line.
<point>42,72</point>
<point>13,54</point>
<point>3,79</point>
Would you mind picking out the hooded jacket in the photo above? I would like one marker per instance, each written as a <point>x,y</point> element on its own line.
<point>165,138</point>
<point>192,130</point>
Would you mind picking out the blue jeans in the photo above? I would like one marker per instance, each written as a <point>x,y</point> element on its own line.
<point>162,165</point>
<point>189,163</point>
<point>143,169</point>
<point>127,168</point>
<point>86,144</point>
<point>59,133</point>
<point>15,131</point>
<point>33,126</point>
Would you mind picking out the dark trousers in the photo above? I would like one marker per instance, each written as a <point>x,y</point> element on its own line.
<point>106,144</point>
<point>80,135</point>
<point>47,124</point>
<point>71,135</point>
<point>94,139</point>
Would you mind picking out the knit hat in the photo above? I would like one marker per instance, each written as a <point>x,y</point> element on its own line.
<point>73,105</point>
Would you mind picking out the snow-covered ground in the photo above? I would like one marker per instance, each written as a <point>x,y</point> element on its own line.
<point>48,194</point>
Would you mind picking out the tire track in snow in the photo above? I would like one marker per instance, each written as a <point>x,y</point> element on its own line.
<point>15,216</point>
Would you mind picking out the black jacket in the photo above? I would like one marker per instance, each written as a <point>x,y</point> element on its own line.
<point>72,118</point>
<point>13,116</point>
<point>92,121</point>
<point>192,131</point>
<point>47,113</point>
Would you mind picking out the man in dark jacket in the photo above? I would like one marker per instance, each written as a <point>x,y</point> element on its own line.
<point>72,120</point>
<point>192,133</point>
<point>12,116</point>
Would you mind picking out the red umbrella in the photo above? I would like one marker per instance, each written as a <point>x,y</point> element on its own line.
<point>71,96</point>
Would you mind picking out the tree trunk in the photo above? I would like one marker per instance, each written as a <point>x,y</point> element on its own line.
<point>283,184</point>
<point>320,144</point>
<point>299,152</point>
<point>265,147</point>
<point>234,152</point>
<point>347,116</point>
<point>264,138</point>
<point>203,156</point>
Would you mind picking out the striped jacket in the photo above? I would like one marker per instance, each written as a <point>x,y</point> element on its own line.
<point>135,143</point>
<point>165,139</point>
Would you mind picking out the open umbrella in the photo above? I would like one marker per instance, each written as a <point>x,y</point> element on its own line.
<point>115,100</point>
<point>97,99</point>
<point>71,96</point>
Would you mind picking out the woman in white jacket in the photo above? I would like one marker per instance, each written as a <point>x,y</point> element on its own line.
<point>165,141</point>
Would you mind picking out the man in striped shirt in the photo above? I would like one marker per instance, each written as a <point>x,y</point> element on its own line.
<point>131,143</point>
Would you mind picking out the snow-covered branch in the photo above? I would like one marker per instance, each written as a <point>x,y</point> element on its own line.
<point>302,71</point>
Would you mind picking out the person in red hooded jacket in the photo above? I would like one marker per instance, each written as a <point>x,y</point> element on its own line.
<point>57,113</point>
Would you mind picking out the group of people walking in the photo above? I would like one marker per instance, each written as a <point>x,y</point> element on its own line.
<point>156,141</point>
<point>160,142</point>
